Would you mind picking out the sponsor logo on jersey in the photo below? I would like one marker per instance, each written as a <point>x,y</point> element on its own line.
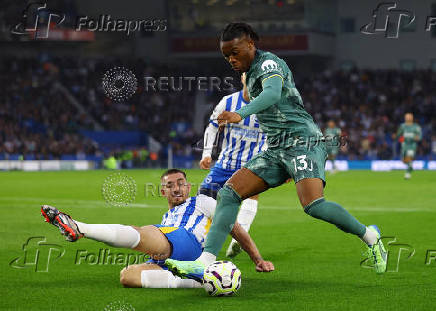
<point>269,65</point>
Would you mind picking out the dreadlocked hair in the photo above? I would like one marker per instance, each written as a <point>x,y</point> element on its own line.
<point>238,30</point>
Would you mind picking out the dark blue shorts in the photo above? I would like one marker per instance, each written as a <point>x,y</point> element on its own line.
<point>214,181</point>
<point>184,245</point>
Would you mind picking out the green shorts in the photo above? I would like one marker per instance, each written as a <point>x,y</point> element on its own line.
<point>277,165</point>
<point>332,150</point>
<point>408,150</point>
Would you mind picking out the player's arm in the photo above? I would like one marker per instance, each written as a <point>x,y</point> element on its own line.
<point>270,95</point>
<point>418,134</point>
<point>248,245</point>
<point>399,133</point>
<point>210,135</point>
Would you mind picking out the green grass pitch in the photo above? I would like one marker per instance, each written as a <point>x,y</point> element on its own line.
<point>317,266</point>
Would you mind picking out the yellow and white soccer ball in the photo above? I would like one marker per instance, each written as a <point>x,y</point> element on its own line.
<point>221,278</point>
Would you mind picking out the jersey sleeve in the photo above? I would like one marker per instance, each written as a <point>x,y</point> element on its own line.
<point>418,132</point>
<point>400,131</point>
<point>270,68</point>
<point>212,129</point>
<point>217,111</point>
<point>206,205</point>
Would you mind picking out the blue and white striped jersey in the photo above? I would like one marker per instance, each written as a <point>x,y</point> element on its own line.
<point>241,140</point>
<point>195,215</point>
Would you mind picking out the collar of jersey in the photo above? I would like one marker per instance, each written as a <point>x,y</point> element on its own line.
<point>188,200</point>
<point>257,56</point>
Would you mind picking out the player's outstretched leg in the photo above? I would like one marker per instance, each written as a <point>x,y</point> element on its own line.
<point>310,192</point>
<point>112,234</point>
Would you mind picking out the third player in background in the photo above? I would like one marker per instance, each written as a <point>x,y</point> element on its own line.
<point>240,143</point>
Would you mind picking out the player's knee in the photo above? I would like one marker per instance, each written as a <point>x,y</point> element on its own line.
<point>229,194</point>
<point>126,276</point>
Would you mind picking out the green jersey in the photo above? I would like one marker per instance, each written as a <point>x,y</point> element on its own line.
<point>409,132</point>
<point>333,139</point>
<point>288,115</point>
<point>332,132</point>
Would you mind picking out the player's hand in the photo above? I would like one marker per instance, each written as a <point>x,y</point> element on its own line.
<point>228,117</point>
<point>205,163</point>
<point>264,266</point>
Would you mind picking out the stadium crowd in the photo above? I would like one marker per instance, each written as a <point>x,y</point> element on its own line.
<point>38,122</point>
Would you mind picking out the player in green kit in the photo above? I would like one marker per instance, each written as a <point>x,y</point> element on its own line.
<point>332,136</point>
<point>296,149</point>
<point>409,134</point>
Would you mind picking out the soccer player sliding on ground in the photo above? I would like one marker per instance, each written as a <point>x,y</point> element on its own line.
<point>296,149</point>
<point>180,236</point>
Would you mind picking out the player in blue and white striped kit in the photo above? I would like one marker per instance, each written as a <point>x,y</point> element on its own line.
<point>180,235</point>
<point>240,143</point>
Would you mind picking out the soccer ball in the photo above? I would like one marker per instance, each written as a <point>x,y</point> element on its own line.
<point>221,278</point>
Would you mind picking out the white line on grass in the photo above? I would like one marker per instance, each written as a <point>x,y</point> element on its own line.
<point>97,204</point>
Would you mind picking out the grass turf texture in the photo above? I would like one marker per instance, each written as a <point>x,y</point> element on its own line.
<point>317,266</point>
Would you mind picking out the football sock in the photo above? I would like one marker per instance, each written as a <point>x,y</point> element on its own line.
<point>246,214</point>
<point>111,234</point>
<point>336,215</point>
<point>165,279</point>
<point>206,258</point>
<point>409,167</point>
<point>227,207</point>
<point>370,237</point>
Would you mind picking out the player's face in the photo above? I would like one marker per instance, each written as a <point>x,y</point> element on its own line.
<point>175,188</point>
<point>239,52</point>
<point>331,124</point>
<point>408,117</point>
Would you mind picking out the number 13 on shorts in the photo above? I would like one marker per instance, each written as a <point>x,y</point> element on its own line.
<point>301,163</point>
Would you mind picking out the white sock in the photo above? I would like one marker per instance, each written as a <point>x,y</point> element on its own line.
<point>247,212</point>
<point>370,237</point>
<point>206,258</point>
<point>165,279</point>
<point>246,215</point>
<point>111,234</point>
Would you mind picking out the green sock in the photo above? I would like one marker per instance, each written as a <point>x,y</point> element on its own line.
<point>227,208</point>
<point>409,167</point>
<point>336,215</point>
